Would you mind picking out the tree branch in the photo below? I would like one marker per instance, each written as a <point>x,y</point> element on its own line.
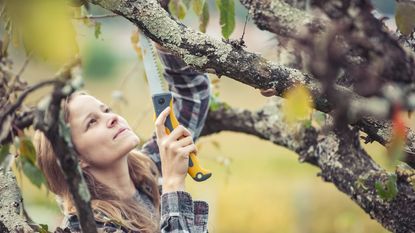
<point>11,205</point>
<point>281,18</point>
<point>50,121</point>
<point>339,156</point>
<point>214,56</point>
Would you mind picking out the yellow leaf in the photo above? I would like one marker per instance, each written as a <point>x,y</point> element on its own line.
<point>298,104</point>
<point>48,32</point>
<point>27,149</point>
<point>135,38</point>
<point>405,16</point>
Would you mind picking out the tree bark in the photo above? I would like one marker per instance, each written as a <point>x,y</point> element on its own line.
<point>338,154</point>
<point>11,205</point>
<point>214,56</point>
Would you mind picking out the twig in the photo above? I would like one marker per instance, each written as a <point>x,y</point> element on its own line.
<point>96,16</point>
<point>26,62</point>
<point>16,105</point>
<point>246,21</point>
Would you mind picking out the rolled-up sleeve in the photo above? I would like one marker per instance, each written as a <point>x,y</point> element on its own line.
<point>180,214</point>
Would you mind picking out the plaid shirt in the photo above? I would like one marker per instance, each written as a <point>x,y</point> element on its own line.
<point>179,213</point>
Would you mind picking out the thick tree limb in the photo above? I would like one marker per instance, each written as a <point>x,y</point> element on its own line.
<point>339,156</point>
<point>11,205</point>
<point>50,122</point>
<point>47,117</point>
<point>208,54</point>
<point>281,18</point>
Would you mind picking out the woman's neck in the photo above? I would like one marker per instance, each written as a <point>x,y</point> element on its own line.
<point>116,177</point>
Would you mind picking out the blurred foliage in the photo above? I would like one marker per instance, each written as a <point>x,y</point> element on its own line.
<point>395,148</point>
<point>4,155</point>
<point>99,62</point>
<point>42,26</point>
<point>298,104</point>
<point>405,17</point>
<point>204,17</point>
<point>180,8</point>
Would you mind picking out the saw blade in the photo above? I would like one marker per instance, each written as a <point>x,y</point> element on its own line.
<point>154,71</point>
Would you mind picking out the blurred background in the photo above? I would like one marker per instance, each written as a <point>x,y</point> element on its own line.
<point>256,186</point>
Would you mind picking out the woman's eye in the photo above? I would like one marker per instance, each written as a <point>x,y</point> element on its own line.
<point>91,122</point>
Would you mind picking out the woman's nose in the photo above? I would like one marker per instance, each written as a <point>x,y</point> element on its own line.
<point>112,121</point>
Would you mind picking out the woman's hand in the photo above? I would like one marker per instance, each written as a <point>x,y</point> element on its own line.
<point>174,153</point>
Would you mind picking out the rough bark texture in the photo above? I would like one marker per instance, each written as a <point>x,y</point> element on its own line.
<point>211,55</point>
<point>282,18</point>
<point>48,119</point>
<point>11,205</point>
<point>338,154</point>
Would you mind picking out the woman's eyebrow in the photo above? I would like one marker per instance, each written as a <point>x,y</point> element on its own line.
<point>101,106</point>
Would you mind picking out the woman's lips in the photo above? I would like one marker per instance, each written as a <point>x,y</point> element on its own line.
<point>119,132</point>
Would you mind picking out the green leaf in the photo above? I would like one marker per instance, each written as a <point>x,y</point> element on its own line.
<point>186,3</point>
<point>227,16</point>
<point>32,172</point>
<point>204,17</point>
<point>4,151</point>
<point>307,124</point>
<point>27,149</point>
<point>214,104</point>
<point>197,6</point>
<point>178,8</point>
<point>389,190</point>
<point>97,29</point>
<point>43,228</point>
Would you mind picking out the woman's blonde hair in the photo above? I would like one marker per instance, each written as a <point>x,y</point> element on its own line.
<point>130,214</point>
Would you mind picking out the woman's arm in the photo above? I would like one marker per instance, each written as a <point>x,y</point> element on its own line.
<point>178,212</point>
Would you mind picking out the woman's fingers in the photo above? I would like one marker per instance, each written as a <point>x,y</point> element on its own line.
<point>188,149</point>
<point>179,132</point>
<point>185,141</point>
<point>176,146</point>
<point>161,119</point>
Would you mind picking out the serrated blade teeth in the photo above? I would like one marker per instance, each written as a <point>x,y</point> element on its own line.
<point>152,66</point>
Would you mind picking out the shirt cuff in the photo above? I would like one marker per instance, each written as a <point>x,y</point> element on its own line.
<point>200,207</point>
<point>176,203</point>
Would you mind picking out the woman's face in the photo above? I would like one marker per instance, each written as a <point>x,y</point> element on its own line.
<point>101,137</point>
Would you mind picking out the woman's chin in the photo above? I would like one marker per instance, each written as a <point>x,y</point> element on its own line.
<point>134,141</point>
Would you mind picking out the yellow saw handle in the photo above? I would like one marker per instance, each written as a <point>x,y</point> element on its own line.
<point>160,102</point>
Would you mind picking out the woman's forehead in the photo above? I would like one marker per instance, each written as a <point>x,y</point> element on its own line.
<point>81,105</point>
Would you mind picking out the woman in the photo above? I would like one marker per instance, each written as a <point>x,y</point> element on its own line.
<point>123,180</point>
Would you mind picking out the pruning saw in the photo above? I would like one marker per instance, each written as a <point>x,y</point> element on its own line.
<point>162,98</point>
